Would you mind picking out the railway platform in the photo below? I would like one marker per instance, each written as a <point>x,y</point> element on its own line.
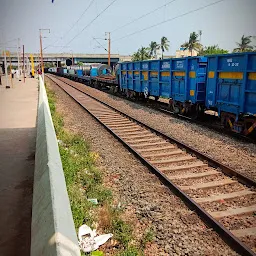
<point>18,111</point>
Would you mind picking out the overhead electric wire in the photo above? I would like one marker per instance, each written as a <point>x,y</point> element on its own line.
<point>87,8</point>
<point>181,15</point>
<point>80,17</point>
<point>100,44</point>
<point>91,22</point>
<point>144,15</point>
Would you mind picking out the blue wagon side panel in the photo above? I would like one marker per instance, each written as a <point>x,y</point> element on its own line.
<point>196,81</point>
<point>250,88</point>
<point>231,83</point>
<point>79,72</point>
<point>181,79</point>
<point>165,78</point>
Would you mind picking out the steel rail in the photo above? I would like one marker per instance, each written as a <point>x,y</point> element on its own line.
<point>214,128</point>
<point>224,233</point>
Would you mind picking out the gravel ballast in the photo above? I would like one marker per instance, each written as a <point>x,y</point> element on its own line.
<point>236,154</point>
<point>178,230</point>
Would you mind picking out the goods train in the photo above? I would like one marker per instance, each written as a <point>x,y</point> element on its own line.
<point>223,83</point>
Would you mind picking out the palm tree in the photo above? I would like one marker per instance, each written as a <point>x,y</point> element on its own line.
<point>213,49</point>
<point>244,45</point>
<point>153,47</point>
<point>143,51</point>
<point>164,45</point>
<point>193,43</point>
<point>80,63</point>
<point>136,56</point>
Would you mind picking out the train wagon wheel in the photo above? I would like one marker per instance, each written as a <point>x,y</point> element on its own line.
<point>197,111</point>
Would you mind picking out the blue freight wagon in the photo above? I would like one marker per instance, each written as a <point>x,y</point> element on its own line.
<point>182,80</point>
<point>79,72</point>
<point>231,89</point>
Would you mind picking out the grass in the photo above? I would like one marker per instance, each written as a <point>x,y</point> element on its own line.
<point>131,251</point>
<point>147,237</point>
<point>84,181</point>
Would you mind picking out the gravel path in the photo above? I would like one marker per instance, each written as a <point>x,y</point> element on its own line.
<point>239,155</point>
<point>178,230</point>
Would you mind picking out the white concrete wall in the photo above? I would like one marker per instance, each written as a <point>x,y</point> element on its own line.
<point>52,229</point>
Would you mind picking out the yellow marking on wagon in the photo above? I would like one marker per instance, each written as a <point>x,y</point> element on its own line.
<point>252,76</point>
<point>179,73</point>
<point>165,73</point>
<point>211,74</point>
<point>154,73</point>
<point>192,74</point>
<point>129,72</point>
<point>123,72</point>
<point>192,92</point>
<point>145,74</point>
<point>136,72</point>
<point>231,75</point>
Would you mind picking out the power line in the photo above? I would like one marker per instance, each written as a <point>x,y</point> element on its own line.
<point>144,15</point>
<point>91,22</point>
<point>181,15</point>
<point>72,25</point>
<point>100,44</point>
<point>80,17</point>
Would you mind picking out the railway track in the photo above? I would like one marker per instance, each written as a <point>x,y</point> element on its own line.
<point>222,197</point>
<point>204,122</point>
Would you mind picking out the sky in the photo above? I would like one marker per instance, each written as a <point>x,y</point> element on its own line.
<point>74,24</point>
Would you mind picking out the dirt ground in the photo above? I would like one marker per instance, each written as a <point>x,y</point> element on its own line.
<point>147,203</point>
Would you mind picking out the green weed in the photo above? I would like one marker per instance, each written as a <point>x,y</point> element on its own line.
<point>85,181</point>
<point>131,251</point>
<point>147,237</point>
<point>122,231</point>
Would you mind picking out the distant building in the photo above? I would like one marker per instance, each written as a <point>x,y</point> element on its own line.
<point>185,53</point>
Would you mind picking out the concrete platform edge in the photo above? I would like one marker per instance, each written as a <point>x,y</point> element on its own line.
<point>52,228</point>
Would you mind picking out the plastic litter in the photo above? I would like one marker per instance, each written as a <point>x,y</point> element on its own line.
<point>88,241</point>
<point>93,200</point>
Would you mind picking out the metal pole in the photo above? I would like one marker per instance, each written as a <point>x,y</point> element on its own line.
<point>41,50</point>
<point>18,55</point>
<point>11,69</point>
<point>72,59</point>
<point>5,67</point>
<point>41,53</point>
<point>109,48</point>
<point>24,63</point>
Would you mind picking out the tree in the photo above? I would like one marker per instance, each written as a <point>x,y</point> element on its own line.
<point>210,50</point>
<point>244,45</point>
<point>153,47</point>
<point>164,44</point>
<point>80,63</point>
<point>144,55</point>
<point>49,65</point>
<point>193,43</point>
<point>136,56</point>
<point>141,54</point>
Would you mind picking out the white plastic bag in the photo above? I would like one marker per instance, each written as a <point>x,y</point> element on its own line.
<point>88,241</point>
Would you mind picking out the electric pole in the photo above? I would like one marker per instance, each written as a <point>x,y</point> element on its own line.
<point>5,67</point>
<point>41,50</point>
<point>23,54</point>
<point>18,56</point>
<point>109,42</point>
